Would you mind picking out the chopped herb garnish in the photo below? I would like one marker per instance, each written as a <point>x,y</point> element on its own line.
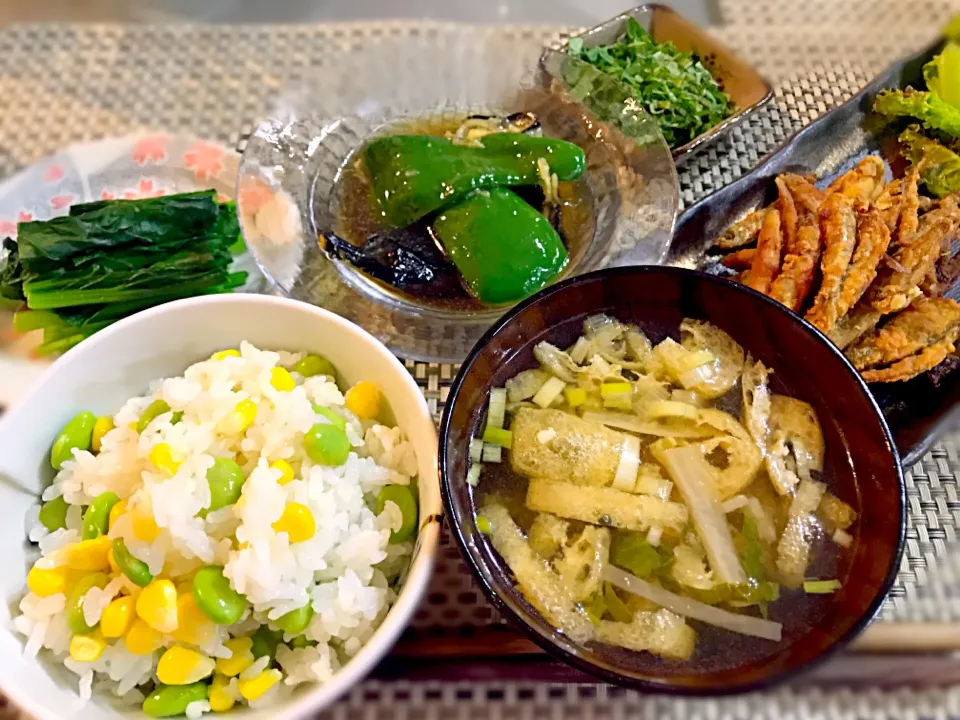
<point>820,587</point>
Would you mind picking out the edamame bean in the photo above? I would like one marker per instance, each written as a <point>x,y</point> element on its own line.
<point>314,365</point>
<point>295,621</point>
<point>76,434</point>
<point>300,641</point>
<point>75,620</point>
<point>134,568</point>
<point>215,598</point>
<point>402,495</point>
<point>53,514</point>
<point>335,418</point>
<point>225,479</point>
<point>327,445</point>
<point>97,516</point>
<point>170,700</point>
<point>265,642</point>
<point>153,410</point>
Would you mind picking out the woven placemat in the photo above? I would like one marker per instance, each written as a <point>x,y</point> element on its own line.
<point>66,83</point>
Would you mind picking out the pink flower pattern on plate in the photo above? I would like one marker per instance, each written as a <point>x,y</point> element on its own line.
<point>144,189</point>
<point>150,148</point>
<point>53,173</point>
<point>107,195</point>
<point>205,159</point>
<point>7,227</point>
<point>59,202</point>
<point>24,216</point>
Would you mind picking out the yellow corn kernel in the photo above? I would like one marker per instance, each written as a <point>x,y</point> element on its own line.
<point>239,419</point>
<point>193,627</point>
<point>363,400</point>
<point>87,648</point>
<point>141,639</point>
<point>282,380</point>
<point>297,522</point>
<point>116,511</point>
<point>223,354</point>
<point>183,666</point>
<point>157,606</point>
<point>101,427</point>
<point>221,699</point>
<point>286,471</point>
<point>255,687</point>
<point>88,555</point>
<point>242,658</point>
<point>116,617</point>
<point>44,583</point>
<point>163,457</point>
<point>145,527</point>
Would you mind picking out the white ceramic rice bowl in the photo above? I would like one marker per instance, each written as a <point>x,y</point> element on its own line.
<point>119,363</point>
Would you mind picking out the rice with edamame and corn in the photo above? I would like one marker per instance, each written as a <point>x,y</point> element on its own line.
<point>234,533</point>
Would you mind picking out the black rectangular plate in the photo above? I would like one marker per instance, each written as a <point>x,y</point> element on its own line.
<point>919,410</point>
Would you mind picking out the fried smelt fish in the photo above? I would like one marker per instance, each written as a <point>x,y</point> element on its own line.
<point>739,260</point>
<point>850,328</point>
<point>873,239</point>
<point>926,359</point>
<point>766,261</point>
<point>927,322</point>
<point>864,181</point>
<point>742,232</point>
<point>838,222</point>
<point>800,264</point>
<point>889,202</point>
<point>909,220</point>
<point>897,281</point>
<point>788,217</point>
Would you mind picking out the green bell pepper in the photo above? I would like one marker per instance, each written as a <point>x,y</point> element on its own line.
<point>504,249</point>
<point>415,175</point>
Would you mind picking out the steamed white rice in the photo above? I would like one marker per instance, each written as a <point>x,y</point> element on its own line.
<point>347,570</point>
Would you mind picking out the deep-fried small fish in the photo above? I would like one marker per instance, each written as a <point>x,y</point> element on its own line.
<point>766,260</point>
<point>838,222</point>
<point>743,232</point>
<point>930,285</point>
<point>926,359</point>
<point>788,217</point>
<point>850,328</point>
<point>873,239</point>
<point>926,322</point>
<point>864,181</point>
<point>897,281</point>
<point>793,284</point>
<point>888,203</point>
<point>909,208</point>
<point>739,260</point>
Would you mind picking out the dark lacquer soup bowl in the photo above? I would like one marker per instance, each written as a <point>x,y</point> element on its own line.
<point>860,467</point>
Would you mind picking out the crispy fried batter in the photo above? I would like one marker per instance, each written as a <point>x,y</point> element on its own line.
<point>838,223</point>
<point>926,359</point>
<point>739,260</point>
<point>788,217</point>
<point>800,266</point>
<point>896,284</point>
<point>909,208</point>
<point>888,203</point>
<point>766,261</point>
<point>861,320</point>
<point>930,285</point>
<point>742,232</point>
<point>926,322</point>
<point>865,181</point>
<point>873,238</point>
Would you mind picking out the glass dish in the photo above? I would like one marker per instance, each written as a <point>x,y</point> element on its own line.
<point>293,161</point>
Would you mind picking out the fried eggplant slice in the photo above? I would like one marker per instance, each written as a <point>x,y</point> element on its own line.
<point>838,221</point>
<point>897,281</point>
<point>864,181</point>
<point>850,328</point>
<point>766,262</point>
<point>928,321</point>
<point>796,277</point>
<point>743,232</point>
<point>926,359</point>
<point>873,239</point>
<point>739,260</point>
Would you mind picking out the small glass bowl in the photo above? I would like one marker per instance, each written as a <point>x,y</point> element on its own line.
<point>290,170</point>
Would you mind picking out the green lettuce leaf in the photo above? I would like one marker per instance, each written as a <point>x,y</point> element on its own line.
<point>942,74</point>
<point>940,171</point>
<point>927,107</point>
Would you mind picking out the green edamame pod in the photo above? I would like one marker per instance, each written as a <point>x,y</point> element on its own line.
<point>402,496</point>
<point>170,700</point>
<point>295,621</point>
<point>76,435</point>
<point>134,568</point>
<point>97,516</point>
<point>75,620</point>
<point>53,514</point>
<point>215,598</point>
<point>154,409</point>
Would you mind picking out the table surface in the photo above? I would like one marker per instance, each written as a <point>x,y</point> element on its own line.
<point>66,83</point>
